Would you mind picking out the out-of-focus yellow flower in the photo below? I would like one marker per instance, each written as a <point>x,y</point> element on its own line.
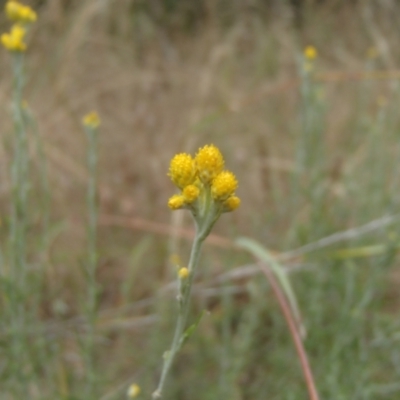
<point>14,41</point>
<point>310,53</point>
<point>209,163</point>
<point>183,273</point>
<point>17,12</point>
<point>176,202</point>
<point>191,193</point>
<point>182,170</point>
<point>133,391</point>
<point>91,120</point>
<point>224,185</point>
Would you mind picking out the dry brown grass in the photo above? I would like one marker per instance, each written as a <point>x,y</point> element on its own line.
<point>159,93</point>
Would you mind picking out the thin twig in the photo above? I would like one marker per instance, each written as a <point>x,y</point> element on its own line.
<point>348,234</point>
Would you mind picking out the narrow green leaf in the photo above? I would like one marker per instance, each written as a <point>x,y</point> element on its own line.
<point>261,253</point>
<point>190,330</point>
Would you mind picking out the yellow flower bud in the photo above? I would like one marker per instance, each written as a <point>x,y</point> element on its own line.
<point>91,120</point>
<point>182,170</point>
<point>310,53</point>
<point>224,185</point>
<point>190,193</point>
<point>183,273</point>
<point>176,202</point>
<point>133,391</point>
<point>209,163</point>
<point>231,203</point>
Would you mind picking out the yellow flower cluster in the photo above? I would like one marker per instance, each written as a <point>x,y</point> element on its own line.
<point>14,41</point>
<point>21,16</point>
<point>19,13</point>
<point>201,178</point>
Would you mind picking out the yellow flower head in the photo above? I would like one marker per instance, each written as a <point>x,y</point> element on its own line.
<point>176,202</point>
<point>14,41</point>
<point>182,170</point>
<point>183,273</point>
<point>231,203</point>
<point>190,193</point>
<point>133,391</point>
<point>310,53</point>
<point>19,13</point>
<point>224,185</point>
<point>91,120</point>
<point>209,163</point>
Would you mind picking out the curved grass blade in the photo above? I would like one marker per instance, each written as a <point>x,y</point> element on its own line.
<point>261,253</point>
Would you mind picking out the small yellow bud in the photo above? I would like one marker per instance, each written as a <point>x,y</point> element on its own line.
<point>183,273</point>
<point>14,41</point>
<point>190,193</point>
<point>310,53</point>
<point>176,202</point>
<point>91,120</point>
<point>182,170</point>
<point>209,163</point>
<point>224,185</point>
<point>231,203</point>
<point>133,391</point>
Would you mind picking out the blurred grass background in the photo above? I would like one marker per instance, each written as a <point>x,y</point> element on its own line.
<point>313,157</point>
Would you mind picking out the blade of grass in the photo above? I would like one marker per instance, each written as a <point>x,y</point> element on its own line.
<point>286,310</point>
<point>258,251</point>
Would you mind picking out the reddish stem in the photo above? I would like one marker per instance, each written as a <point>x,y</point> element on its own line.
<point>284,305</point>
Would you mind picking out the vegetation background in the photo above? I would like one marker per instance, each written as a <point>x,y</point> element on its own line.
<point>315,153</point>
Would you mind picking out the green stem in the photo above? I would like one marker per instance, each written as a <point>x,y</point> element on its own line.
<point>92,256</point>
<point>19,177</point>
<point>184,302</point>
<point>18,291</point>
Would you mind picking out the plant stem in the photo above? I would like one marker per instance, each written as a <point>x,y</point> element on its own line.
<point>19,177</point>
<point>17,292</point>
<point>184,301</point>
<point>283,303</point>
<point>92,256</point>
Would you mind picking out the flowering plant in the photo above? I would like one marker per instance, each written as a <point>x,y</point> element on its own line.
<point>207,190</point>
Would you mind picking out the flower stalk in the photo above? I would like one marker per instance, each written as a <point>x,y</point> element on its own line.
<point>207,191</point>
<point>17,291</point>
<point>91,123</point>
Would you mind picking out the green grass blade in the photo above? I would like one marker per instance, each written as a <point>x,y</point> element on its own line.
<point>261,253</point>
